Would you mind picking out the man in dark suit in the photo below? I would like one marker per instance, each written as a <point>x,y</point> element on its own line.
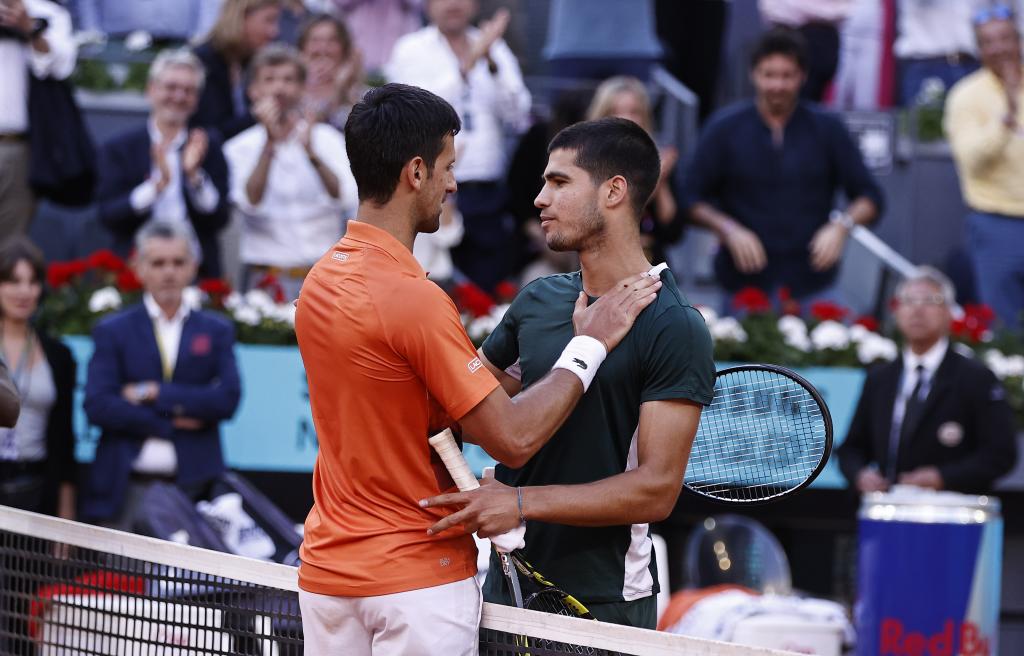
<point>161,379</point>
<point>165,171</point>
<point>933,418</point>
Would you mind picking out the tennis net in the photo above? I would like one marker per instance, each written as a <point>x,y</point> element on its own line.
<point>68,589</point>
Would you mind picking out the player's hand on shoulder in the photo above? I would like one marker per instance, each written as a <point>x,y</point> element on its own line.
<point>610,317</point>
<point>491,509</point>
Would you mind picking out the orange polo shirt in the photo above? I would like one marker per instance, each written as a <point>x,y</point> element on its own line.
<point>388,365</point>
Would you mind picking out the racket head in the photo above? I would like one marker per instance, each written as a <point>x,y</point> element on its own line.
<point>766,435</point>
<point>547,596</point>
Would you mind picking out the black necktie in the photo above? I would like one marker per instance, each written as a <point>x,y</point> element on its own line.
<point>911,414</point>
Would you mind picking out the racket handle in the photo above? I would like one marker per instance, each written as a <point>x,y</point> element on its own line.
<point>446,447</point>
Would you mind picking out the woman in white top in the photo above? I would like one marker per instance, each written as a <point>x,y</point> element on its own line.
<point>37,462</point>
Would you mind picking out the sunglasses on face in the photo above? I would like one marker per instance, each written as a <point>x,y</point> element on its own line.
<point>993,13</point>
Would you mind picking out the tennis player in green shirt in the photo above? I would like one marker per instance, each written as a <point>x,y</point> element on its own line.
<point>617,463</point>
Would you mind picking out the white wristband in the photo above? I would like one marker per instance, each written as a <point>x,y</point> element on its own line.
<point>582,356</point>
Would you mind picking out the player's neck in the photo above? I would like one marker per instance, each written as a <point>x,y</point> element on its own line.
<point>614,259</point>
<point>391,219</point>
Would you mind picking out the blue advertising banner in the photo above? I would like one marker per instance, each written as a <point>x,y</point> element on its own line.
<point>273,428</point>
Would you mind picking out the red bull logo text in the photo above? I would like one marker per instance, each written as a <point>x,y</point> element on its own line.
<point>963,640</point>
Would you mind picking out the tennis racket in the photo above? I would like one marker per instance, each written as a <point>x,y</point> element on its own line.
<point>538,593</point>
<point>766,435</point>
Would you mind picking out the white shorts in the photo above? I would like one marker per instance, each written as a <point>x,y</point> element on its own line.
<point>444,619</point>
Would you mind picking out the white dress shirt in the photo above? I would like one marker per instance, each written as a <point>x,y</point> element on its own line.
<point>157,455</point>
<point>17,57</point>
<point>432,249</point>
<point>932,28</point>
<point>796,13</point>
<point>169,205</point>
<point>487,104</point>
<point>297,220</point>
<point>929,361</point>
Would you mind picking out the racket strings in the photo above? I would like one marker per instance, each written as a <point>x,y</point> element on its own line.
<point>763,434</point>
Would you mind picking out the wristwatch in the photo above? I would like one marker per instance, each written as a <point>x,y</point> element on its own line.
<point>843,218</point>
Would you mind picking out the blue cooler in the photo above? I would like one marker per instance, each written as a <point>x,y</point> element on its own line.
<point>928,574</point>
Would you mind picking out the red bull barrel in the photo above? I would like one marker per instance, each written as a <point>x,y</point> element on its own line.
<point>929,566</point>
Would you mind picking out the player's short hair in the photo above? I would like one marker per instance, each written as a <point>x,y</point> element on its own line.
<point>391,125</point>
<point>614,146</point>
<point>780,41</point>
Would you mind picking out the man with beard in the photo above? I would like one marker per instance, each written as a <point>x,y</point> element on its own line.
<point>389,364</point>
<point>618,461</point>
<point>764,178</point>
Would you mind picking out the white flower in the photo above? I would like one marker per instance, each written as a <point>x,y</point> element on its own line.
<point>791,325</point>
<point>728,329</point>
<point>249,315</point>
<point>1004,366</point>
<point>283,312</point>
<point>233,300</point>
<point>192,298</point>
<point>799,341</point>
<point>874,347</point>
<point>859,333</point>
<point>710,316</point>
<point>260,300</point>
<point>830,335</point>
<point>481,327</point>
<point>105,299</point>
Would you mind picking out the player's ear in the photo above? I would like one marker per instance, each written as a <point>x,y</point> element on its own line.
<point>616,191</point>
<point>415,172</point>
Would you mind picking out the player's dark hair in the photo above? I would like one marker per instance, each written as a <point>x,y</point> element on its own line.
<point>780,41</point>
<point>614,146</point>
<point>391,125</point>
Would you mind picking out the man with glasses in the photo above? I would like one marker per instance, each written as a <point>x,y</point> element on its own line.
<point>985,128</point>
<point>164,171</point>
<point>933,418</point>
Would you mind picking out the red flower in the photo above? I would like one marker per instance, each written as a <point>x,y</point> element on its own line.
<point>215,286</point>
<point>785,294</point>
<point>58,275</point>
<point>505,291</point>
<point>472,299</point>
<point>828,311</point>
<point>127,282</point>
<point>77,267</point>
<point>968,329</point>
<point>870,323</point>
<point>270,284</point>
<point>979,315</point>
<point>105,259</point>
<point>752,299</point>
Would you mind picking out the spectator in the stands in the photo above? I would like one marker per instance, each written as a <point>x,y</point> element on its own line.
<point>179,20</point>
<point>38,471</point>
<point>290,177</point>
<point>932,418</point>
<point>164,171</point>
<point>242,28</point>
<point>819,23</point>
<point>35,37</point>
<point>161,379</point>
<point>662,223</point>
<point>764,178</point>
<point>474,70</point>
<point>984,123</point>
<point>376,25</point>
<point>334,69</point>
<point>598,39</point>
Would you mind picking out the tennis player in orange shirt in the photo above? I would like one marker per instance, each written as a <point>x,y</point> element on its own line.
<point>389,364</point>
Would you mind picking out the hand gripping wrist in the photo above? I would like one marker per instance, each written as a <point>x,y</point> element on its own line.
<point>582,356</point>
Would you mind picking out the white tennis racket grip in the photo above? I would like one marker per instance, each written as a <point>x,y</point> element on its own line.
<point>446,447</point>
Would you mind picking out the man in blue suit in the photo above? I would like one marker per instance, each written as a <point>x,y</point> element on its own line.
<point>164,171</point>
<point>161,379</point>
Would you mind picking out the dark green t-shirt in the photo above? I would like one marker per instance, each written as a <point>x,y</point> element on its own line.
<point>666,355</point>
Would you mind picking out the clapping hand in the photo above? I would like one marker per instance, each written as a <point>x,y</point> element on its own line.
<point>14,15</point>
<point>490,31</point>
<point>193,154</point>
<point>163,169</point>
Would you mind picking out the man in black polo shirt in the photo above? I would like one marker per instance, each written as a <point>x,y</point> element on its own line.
<point>617,462</point>
<point>765,175</point>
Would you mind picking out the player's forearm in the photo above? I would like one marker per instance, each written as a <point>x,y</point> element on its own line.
<point>522,425</point>
<point>632,497</point>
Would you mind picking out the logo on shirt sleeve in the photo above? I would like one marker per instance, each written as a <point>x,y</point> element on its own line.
<point>339,256</point>
<point>474,364</point>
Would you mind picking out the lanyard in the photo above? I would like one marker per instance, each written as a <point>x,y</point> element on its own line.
<point>165,361</point>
